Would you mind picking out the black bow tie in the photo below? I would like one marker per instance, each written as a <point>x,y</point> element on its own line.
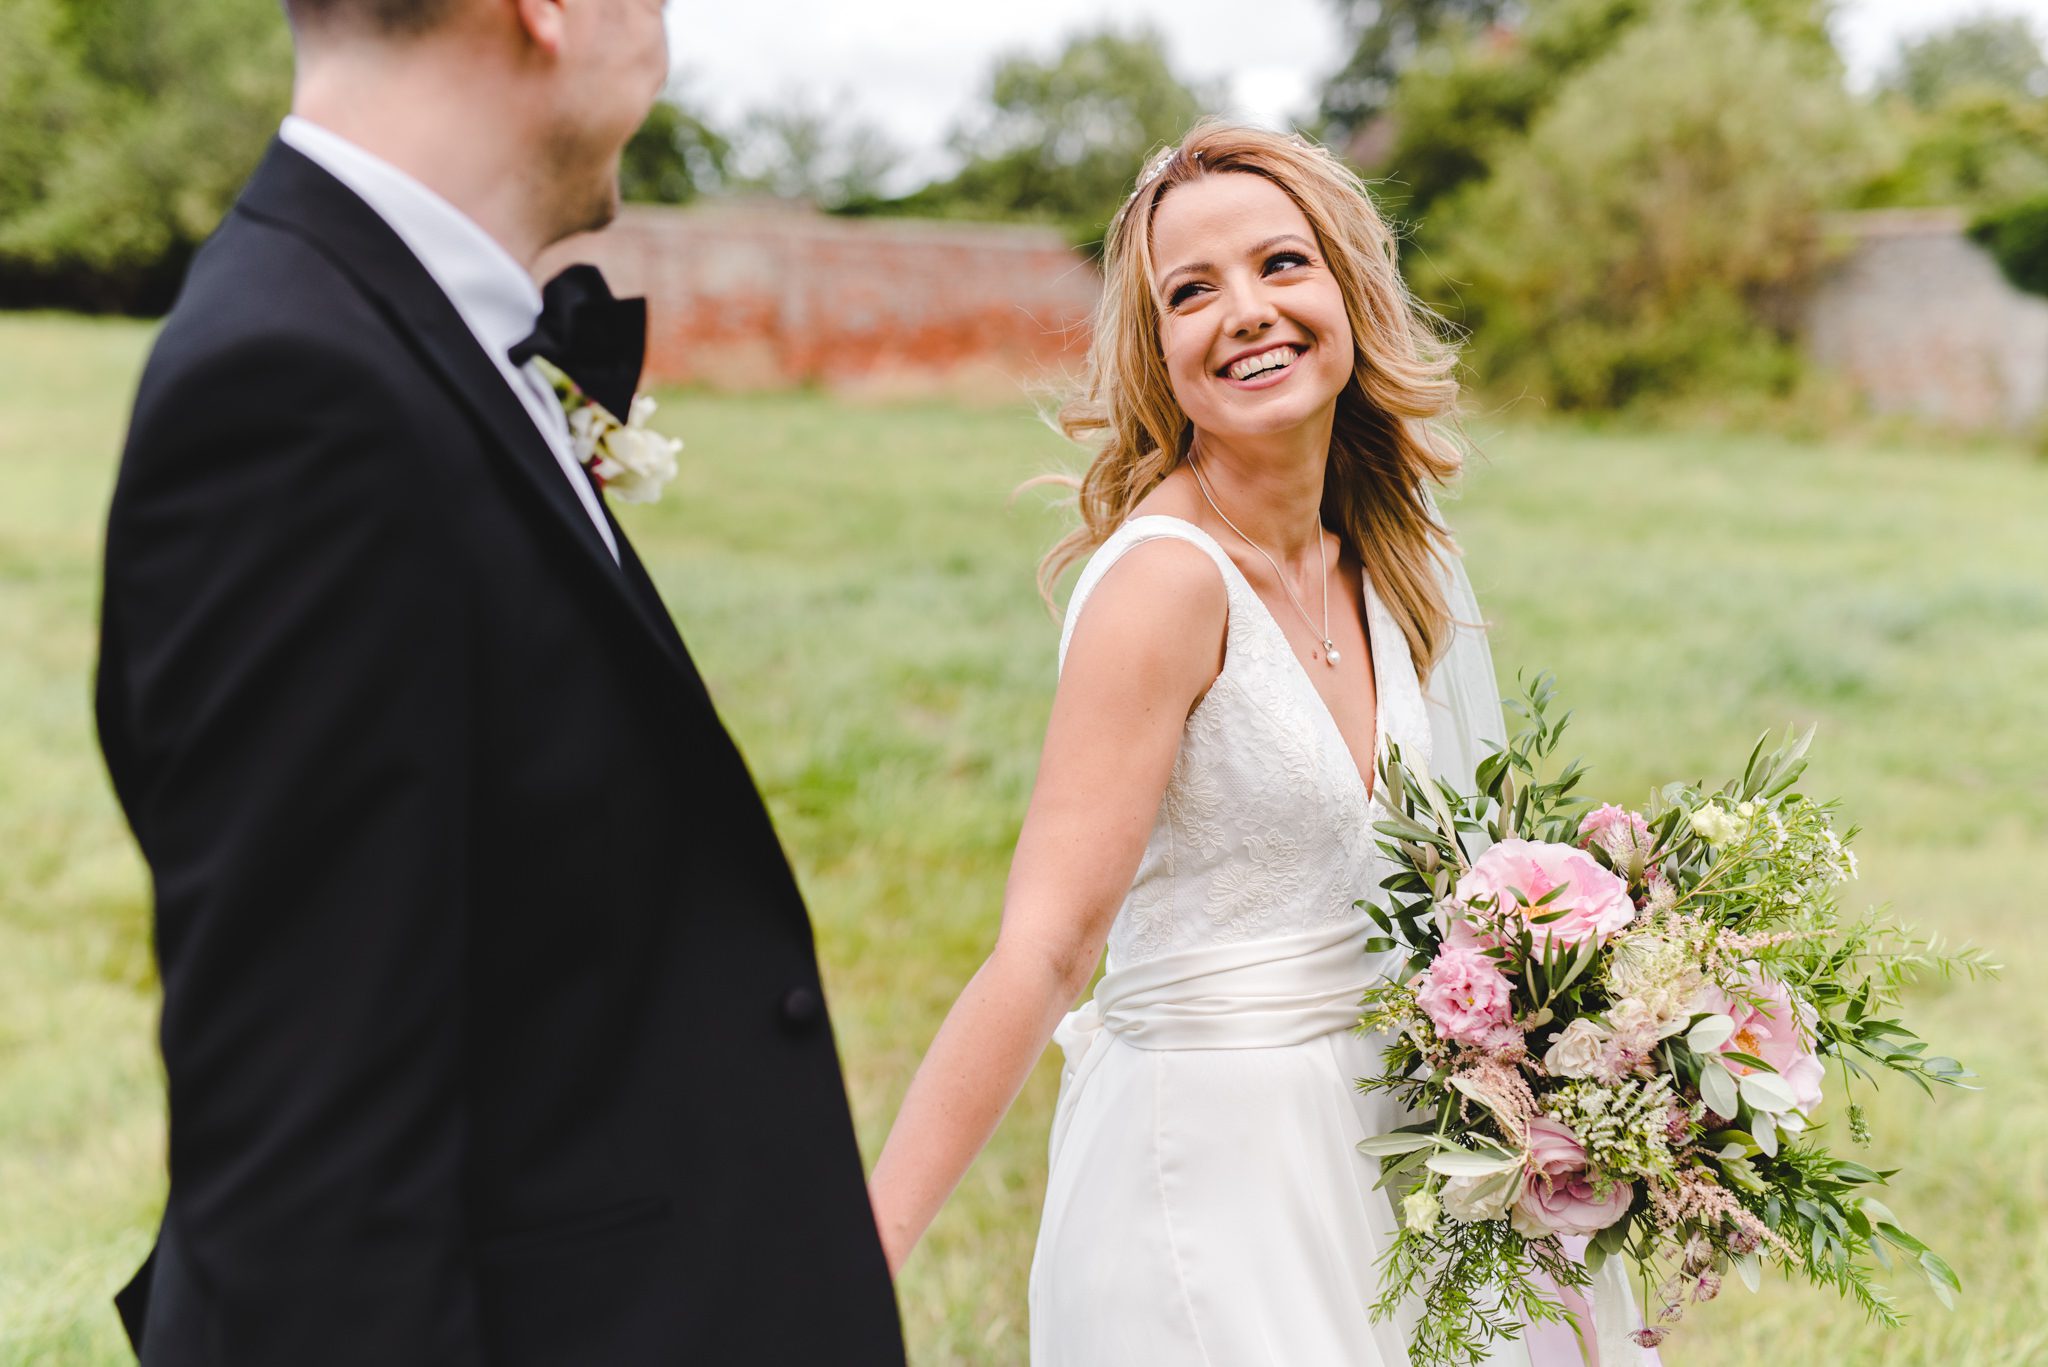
<point>596,340</point>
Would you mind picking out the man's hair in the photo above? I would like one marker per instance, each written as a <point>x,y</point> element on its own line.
<point>385,18</point>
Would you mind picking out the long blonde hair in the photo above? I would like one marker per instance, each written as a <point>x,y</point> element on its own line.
<point>1393,434</point>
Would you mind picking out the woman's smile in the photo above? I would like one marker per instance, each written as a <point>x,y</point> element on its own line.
<point>1263,368</point>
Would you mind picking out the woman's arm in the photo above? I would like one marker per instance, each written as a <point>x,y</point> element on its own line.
<point>1145,650</point>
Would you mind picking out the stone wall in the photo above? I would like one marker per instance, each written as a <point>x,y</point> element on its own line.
<point>1923,322</point>
<point>745,297</point>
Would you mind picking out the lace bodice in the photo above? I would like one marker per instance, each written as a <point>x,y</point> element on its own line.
<point>1265,829</point>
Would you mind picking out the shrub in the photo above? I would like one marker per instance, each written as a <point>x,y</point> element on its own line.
<point>1638,241</point>
<point>2018,236</point>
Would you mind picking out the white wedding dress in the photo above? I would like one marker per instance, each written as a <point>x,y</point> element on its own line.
<point>1206,1202</point>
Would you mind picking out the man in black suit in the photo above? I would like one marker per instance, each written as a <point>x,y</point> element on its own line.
<point>491,1016</point>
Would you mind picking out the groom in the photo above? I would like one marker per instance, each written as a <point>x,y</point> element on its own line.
<point>491,1016</point>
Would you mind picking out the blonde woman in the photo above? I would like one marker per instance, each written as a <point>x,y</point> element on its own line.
<point>1268,592</point>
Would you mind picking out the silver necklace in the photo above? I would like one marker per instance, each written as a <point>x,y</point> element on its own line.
<point>1330,655</point>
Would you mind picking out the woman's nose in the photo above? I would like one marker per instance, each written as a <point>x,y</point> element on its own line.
<point>1247,310</point>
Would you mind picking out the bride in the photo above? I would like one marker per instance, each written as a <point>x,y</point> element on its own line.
<point>1269,590</point>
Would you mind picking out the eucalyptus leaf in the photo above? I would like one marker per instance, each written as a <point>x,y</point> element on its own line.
<point>1465,1164</point>
<point>1717,1088</point>
<point>1399,1141</point>
<point>1768,1092</point>
<point>1750,1268</point>
<point>1710,1033</point>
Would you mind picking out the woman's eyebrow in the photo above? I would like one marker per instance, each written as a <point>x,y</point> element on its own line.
<point>1198,267</point>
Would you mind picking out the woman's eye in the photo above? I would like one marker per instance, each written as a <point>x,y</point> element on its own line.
<point>1182,295</point>
<point>1280,261</point>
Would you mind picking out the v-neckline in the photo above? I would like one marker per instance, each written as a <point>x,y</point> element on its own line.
<point>1372,661</point>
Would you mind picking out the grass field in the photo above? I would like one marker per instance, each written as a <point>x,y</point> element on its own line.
<point>858,590</point>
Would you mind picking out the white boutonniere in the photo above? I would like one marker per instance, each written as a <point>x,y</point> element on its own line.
<point>628,460</point>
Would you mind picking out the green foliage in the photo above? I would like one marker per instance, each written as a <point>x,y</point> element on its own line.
<point>161,112</point>
<point>1473,1284</point>
<point>1464,95</point>
<point>808,148</point>
<point>2000,53</point>
<point>1063,140</point>
<point>2018,236</point>
<point>1385,37</point>
<point>1978,146</point>
<point>675,157</point>
<point>1631,246</point>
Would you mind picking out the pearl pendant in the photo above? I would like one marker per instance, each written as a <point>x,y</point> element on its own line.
<point>1330,655</point>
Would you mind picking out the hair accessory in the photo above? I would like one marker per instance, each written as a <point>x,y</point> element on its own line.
<point>1152,172</point>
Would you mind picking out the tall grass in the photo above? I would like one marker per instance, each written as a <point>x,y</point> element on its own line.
<point>857,586</point>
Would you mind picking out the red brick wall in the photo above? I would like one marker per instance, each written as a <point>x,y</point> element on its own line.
<point>752,297</point>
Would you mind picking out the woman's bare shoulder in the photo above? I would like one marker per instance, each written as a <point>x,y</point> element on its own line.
<point>1160,612</point>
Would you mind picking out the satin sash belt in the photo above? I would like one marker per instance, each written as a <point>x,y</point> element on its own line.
<point>1264,994</point>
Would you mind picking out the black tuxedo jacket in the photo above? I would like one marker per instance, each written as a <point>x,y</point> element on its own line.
<point>491,1016</point>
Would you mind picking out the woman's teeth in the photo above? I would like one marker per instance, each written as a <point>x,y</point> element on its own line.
<point>1264,361</point>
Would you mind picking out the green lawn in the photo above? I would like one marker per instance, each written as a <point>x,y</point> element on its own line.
<point>858,588</point>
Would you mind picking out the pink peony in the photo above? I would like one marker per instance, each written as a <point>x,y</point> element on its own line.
<point>1776,1033</point>
<point>1595,902</point>
<point>1559,1195</point>
<point>1466,997</point>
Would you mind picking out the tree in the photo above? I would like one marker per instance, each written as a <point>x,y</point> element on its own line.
<point>1063,140</point>
<point>1635,243</point>
<point>1462,97</point>
<point>1385,37</point>
<point>1988,53</point>
<point>812,150</point>
<point>1969,108</point>
<point>675,157</point>
<point>161,113</point>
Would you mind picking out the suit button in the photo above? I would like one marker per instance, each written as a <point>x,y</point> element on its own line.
<point>801,1007</point>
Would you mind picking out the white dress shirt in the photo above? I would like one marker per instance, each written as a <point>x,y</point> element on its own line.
<point>492,292</point>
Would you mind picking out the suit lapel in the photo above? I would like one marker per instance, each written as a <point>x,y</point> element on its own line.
<point>291,191</point>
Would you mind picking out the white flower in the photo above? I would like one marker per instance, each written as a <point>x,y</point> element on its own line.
<point>1471,1200</point>
<point>1657,974</point>
<point>1638,1024</point>
<point>586,429</point>
<point>1420,1211</point>
<point>633,460</point>
<point>1716,825</point>
<point>1578,1051</point>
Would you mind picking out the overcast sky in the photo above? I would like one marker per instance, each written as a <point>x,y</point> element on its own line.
<point>912,66</point>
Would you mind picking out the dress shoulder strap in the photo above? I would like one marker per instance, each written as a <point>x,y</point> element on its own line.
<point>1136,532</point>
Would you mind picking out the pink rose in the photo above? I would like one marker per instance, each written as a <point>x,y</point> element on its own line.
<point>1777,1033</point>
<point>1558,1191</point>
<point>1595,903</point>
<point>1466,996</point>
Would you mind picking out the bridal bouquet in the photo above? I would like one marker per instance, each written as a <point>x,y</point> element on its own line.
<point>1618,1025</point>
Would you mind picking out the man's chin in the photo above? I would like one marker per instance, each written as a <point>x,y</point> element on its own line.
<point>604,207</point>
<point>590,212</point>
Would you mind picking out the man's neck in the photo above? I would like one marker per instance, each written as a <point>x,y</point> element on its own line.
<point>427,126</point>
